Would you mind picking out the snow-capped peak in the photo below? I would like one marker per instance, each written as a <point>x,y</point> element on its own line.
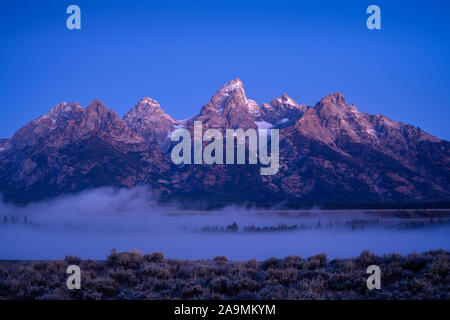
<point>232,85</point>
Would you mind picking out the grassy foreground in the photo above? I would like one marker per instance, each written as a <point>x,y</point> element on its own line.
<point>136,276</point>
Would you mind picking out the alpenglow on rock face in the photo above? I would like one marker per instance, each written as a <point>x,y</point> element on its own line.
<point>329,154</point>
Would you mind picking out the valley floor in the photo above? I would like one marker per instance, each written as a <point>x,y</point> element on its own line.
<point>151,276</point>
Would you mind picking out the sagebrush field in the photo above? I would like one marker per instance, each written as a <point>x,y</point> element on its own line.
<point>151,276</point>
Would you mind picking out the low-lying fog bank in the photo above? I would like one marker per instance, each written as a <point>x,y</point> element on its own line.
<point>90,224</point>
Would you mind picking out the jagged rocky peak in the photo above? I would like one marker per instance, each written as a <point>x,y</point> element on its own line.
<point>146,110</point>
<point>230,108</point>
<point>41,127</point>
<point>336,98</point>
<point>148,119</point>
<point>61,111</point>
<point>96,114</point>
<point>97,106</point>
<point>233,88</point>
<point>334,105</point>
<point>343,123</point>
<point>286,100</point>
<point>253,108</point>
<point>282,111</point>
<point>145,107</point>
<point>64,108</point>
<point>231,96</point>
<point>69,122</point>
<point>332,153</point>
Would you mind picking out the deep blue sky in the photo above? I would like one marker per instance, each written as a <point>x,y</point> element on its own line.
<point>181,52</point>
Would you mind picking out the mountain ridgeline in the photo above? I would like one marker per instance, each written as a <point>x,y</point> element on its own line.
<point>330,154</point>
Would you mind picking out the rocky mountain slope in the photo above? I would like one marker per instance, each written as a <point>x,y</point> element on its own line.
<point>72,148</point>
<point>329,153</point>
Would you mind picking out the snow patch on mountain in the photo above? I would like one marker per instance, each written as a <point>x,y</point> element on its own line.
<point>253,107</point>
<point>263,125</point>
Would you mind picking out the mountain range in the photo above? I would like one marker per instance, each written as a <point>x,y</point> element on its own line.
<point>330,153</point>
